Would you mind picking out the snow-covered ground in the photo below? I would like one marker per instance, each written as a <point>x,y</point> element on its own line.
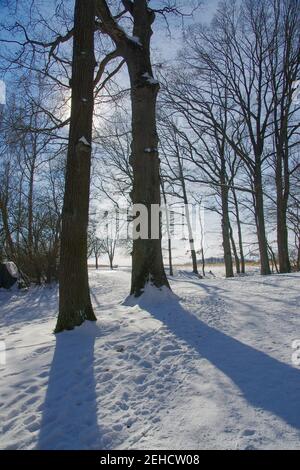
<point>209,369</point>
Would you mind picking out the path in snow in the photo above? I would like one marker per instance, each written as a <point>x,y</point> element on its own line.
<point>212,370</point>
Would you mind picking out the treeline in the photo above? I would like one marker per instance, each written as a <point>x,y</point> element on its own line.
<point>31,188</point>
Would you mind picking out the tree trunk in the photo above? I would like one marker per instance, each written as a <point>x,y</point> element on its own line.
<point>74,302</point>
<point>4,200</point>
<point>282,190</point>
<point>202,262</point>
<point>273,260</point>
<point>147,260</point>
<point>202,244</point>
<point>225,230</point>
<point>171,272</point>
<point>282,239</point>
<point>168,229</point>
<point>6,229</point>
<point>187,216</point>
<point>30,210</point>
<point>191,242</point>
<point>96,260</point>
<point>239,229</point>
<point>260,225</point>
<point>235,253</point>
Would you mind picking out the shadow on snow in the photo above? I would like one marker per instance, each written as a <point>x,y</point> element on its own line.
<point>69,419</point>
<point>265,382</point>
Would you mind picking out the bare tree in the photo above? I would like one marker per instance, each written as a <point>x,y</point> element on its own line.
<point>147,261</point>
<point>74,300</point>
<point>284,70</point>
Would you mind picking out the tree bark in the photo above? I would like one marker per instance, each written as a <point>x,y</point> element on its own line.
<point>6,229</point>
<point>187,216</point>
<point>226,228</point>
<point>4,200</point>
<point>168,229</point>
<point>239,229</point>
<point>30,212</point>
<point>235,253</point>
<point>147,260</point>
<point>282,190</point>
<point>260,224</point>
<point>273,260</point>
<point>74,302</point>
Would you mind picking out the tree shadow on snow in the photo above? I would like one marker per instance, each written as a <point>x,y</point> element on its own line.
<point>265,382</point>
<point>69,414</point>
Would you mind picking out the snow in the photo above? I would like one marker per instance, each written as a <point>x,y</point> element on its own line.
<point>208,367</point>
<point>12,269</point>
<point>135,39</point>
<point>84,141</point>
<point>150,79</point>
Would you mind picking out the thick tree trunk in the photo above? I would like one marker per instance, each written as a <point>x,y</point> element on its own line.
<point>260,225</point>
<point>225,230</point>
<point>147,260</point>
<point>74,302</point>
